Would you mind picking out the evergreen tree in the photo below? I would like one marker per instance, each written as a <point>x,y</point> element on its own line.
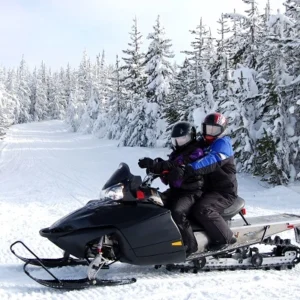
<point>117,115</point>
<point>272,110</point>
<point>134,78</point>
<point>137,132</point>
<point>151,125</point>
<point>157,66</point>
<point>23,92</point>
<point>7,106</point>
<point>41,101</point>
<point>56,95</point>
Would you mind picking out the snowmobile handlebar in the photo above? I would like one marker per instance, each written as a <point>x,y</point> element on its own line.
<point>149,178</point>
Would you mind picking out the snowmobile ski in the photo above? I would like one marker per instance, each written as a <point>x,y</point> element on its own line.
<point>66,260</point>
<point>66,284</point>
<point>76,284</point>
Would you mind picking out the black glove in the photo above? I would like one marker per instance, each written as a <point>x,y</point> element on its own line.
<point>145,163</point>
<point>158,160</point>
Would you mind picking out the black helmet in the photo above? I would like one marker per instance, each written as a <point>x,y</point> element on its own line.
<point>213,126</point>
<point>182,134</point>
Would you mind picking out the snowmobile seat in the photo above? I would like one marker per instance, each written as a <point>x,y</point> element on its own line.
<point>234,209</point>
<point>228,213</point>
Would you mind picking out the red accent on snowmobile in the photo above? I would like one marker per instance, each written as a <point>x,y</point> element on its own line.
<point>140,195</point>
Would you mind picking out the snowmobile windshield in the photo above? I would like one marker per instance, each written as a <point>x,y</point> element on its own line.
<point>121,175</point>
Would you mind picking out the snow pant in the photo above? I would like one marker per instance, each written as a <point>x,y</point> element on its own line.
<point>206,212</point>
<point>179,202</point>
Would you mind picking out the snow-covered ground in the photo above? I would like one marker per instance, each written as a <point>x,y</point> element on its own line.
<point>47,171</point>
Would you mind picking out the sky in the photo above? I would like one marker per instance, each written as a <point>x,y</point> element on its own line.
<point>46,172</point>
<point>58,31</point>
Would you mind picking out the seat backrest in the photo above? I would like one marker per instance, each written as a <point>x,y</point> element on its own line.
<point>234,209</point>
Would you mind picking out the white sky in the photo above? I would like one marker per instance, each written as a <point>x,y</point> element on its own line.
<point>57,31</point>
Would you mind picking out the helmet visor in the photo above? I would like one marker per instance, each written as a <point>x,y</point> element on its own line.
<point>213,130</point>
<point>181,140</point>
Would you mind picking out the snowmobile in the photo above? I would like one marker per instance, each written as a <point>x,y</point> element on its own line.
<point>129,224</point>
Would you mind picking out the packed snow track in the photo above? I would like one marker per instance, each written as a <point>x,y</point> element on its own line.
<point>46,171</point>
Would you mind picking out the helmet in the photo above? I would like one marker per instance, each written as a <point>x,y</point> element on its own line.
<point>182,134</point>
<point>213,126</point>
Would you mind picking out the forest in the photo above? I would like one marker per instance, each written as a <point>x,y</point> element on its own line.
<point>250,72</point>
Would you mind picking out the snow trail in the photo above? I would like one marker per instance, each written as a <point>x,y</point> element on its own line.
<point>47,171</point>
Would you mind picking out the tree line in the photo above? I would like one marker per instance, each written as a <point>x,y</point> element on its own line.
<point>250,72</point>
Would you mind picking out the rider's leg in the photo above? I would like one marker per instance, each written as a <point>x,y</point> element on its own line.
<point>207,212</point>
<point>180,208</point>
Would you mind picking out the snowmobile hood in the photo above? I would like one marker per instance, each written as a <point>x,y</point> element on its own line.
<point>121,175</point>
<point>96,214</point>
<point>80,218</point>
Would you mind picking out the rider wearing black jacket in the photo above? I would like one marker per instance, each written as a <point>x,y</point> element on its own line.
<point>220,183</point>
<point>180,197</point>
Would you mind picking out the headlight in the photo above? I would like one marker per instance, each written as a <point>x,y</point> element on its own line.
<point>114,192</point>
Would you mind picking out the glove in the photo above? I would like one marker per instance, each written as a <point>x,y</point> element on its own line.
<point>197,154</point>
<point>145,163</point>
<point>158,160</point>
<point>176,177</point>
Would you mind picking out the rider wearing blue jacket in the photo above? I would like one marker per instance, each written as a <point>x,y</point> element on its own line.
<point>220,184</point>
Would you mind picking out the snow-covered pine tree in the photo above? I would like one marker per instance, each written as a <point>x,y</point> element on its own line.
<point>159,71</point>
<point>83,92</point>
<point>104,87</point>
<point>271,148</point>
<point>91,112</point>
<point>175,108</point>
<point>291,36</point>
<point>72,117</point>
<point>200,96</point>
<point>273,117</point>
<point>33,85</point>
<point>285,39</point>
<point>157,65</point>
<point>220,68</point>
<point>134,77</point>
<point>23,92</point>
<point>41,101</point>
<point>10,85</point>
<point>118,110</point>
<point>104,83</point>
<point>235,104</point>
<point>246,38</point>
<point>7,107</point>
<point>56,95</point>
<point>136,131</point>
<point>69,82</point>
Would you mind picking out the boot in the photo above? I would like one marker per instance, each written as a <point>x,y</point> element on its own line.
<point>214,247</point>
<point>189,249</point>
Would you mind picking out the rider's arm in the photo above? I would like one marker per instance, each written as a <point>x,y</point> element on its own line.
<point>221,150</point>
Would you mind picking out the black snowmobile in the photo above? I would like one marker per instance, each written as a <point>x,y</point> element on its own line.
<point>129,224</point>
